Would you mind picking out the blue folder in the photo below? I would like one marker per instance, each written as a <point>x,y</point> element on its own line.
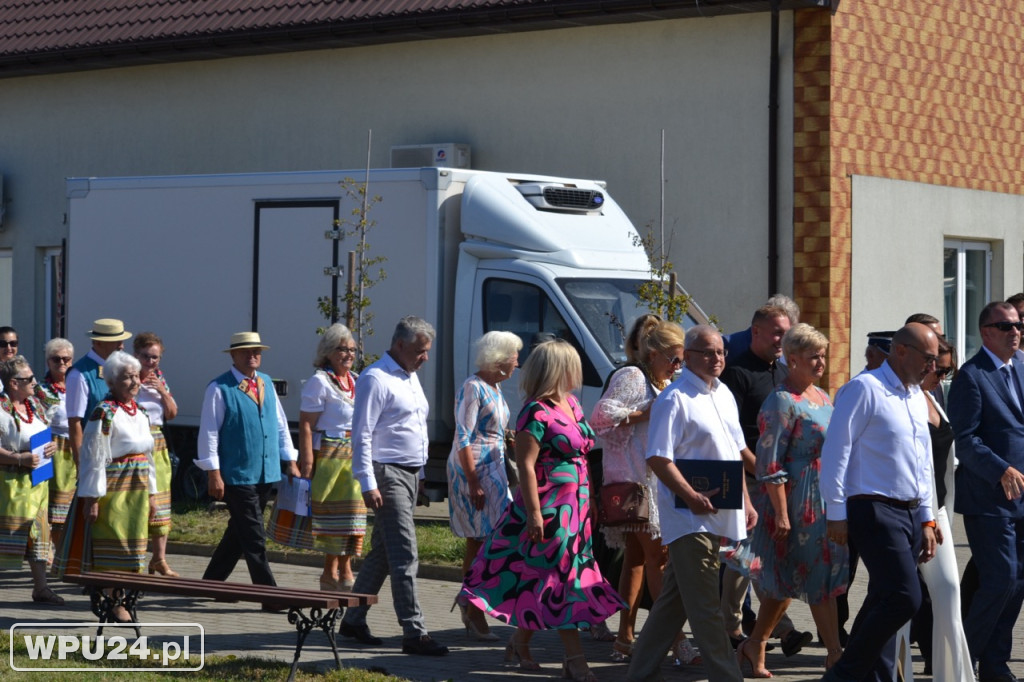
<point>43,472</point>
<point>708,474</point>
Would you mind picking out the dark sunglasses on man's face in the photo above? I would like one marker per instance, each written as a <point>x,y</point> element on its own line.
<point>1005,326</point>
<point>9,344</point>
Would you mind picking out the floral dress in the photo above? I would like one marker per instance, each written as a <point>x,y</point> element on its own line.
<point>554,583</point>
<point>807,565</point>
<point>481,416</point>
<point>625,445</point>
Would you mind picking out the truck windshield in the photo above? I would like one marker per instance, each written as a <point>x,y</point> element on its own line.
<point>609,307</point>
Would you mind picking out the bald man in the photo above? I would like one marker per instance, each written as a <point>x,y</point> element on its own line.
<point>876,472</point>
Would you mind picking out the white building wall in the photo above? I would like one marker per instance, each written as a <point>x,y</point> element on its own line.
<point>899,231</point>
<point>585,102</point>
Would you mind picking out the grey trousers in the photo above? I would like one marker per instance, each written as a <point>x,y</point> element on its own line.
<point>393,550</point>
<point>734,590</point>
<point>689,591</point>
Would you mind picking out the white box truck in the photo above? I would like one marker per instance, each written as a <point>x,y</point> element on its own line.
<point>196,258</point>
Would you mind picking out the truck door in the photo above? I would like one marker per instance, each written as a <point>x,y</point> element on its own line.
<point>527,310</point>
<point>289,257</point>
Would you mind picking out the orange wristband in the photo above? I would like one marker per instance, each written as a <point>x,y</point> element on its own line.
<point>929,524</point>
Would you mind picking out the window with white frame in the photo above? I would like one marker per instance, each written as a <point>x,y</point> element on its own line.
<point>967,284</point>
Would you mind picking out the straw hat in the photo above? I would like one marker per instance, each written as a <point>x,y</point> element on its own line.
<point>109,329</point>
<point>245,340</point>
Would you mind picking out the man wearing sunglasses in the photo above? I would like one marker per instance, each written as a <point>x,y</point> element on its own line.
<point>985,410</point>
<point>8,346</point>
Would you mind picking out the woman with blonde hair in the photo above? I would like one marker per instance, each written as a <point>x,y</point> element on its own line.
<point>338,523</point>
<point>477,483</point>
<point>537,570</point>
<point>620,419</point>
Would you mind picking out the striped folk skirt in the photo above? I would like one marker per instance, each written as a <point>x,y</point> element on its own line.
<point>117,539</point>
<point>338,523</point>
<point>160,524</point>
<point>24,531</point>
<point>64,481</point>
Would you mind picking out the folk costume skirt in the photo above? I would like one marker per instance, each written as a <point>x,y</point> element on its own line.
<point>160,523</point>
<point>64,481</point>
<point>338,522</point>
<point>24,531</point>
<point>117,539</point>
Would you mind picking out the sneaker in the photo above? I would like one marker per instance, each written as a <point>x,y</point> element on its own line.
<point>687,654</point>
<point>424,645</point>
<point>794,641</point>
<point>361,633</point>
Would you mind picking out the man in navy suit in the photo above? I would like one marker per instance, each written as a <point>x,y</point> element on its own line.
<point>985,410</point>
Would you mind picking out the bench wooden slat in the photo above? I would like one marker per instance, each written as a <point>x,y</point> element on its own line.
<point>264,594</point>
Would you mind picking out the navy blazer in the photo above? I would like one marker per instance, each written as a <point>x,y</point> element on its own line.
<point>989,431</point>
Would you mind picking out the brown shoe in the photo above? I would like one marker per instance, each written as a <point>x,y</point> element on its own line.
<point>161,567</point>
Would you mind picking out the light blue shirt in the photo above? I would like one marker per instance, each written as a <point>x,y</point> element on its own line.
<point>389,421</point>
<point>877,444</point>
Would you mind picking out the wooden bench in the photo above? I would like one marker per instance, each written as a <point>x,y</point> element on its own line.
<point>108,590</point>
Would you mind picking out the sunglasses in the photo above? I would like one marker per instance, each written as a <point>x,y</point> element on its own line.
<point>941,372</point>
<point>9,344</point>
<point>25,380</point>
<point>1005,326</point>
<point>674,360</point>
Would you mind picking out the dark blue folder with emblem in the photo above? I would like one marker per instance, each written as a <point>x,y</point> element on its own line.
<point>707,474</point>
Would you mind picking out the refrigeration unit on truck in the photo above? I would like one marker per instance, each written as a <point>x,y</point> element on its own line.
<point>197,258</point>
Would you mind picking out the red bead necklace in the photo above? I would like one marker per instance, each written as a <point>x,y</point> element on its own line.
<point>130,409</point>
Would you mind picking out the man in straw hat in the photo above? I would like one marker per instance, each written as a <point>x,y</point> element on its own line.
<point>84,384</point>
<point>244,444</point>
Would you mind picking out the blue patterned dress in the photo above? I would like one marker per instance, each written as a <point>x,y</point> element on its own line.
<point>807,565</point>
<point>481,417</point>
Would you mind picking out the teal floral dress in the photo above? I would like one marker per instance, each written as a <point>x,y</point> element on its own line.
<point>806,565</point>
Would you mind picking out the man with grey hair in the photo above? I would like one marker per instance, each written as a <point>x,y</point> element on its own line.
<point>737,343</point>
<point>389,451</point>
<point>695,418</point>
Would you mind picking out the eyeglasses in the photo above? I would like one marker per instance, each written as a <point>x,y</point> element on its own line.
<point>941,372</point>
<point>347,349</point>
<point>1005,326</point>
<point>25,380</point>
<point>674,360</point>
<point>928,358</point>
<point>709,354</point>
<point>60,359</point>
<point>9,344</point>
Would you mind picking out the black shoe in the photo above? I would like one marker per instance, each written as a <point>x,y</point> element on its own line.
<point>424,645</point>
<point>1002,677</point>
<point>794,641</point>
<point>735,641</point>
<point>360,633</point>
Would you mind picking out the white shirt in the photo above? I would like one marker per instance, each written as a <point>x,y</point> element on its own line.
<point>691,420</point>
<point>335,407</point>
<point>389,424</point>
<point>128,435</point>
<point>877,444</point>
<point>77,391</point>
<point>212,418</point>
<point>150,399</point>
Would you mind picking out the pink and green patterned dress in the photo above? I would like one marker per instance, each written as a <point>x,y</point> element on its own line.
<point>554,583</point>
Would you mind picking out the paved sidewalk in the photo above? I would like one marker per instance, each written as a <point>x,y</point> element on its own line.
<point>242,629</point>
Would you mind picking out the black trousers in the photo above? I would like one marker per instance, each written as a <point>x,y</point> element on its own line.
<point>244,535</point>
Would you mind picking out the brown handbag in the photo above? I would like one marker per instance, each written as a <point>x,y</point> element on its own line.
<point>622,503</point>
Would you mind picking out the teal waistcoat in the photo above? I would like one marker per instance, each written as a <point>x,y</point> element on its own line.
<point>247,445</point>
<point>98,390</point>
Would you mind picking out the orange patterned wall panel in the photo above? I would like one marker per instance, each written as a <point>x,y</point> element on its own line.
<point>916,90</point>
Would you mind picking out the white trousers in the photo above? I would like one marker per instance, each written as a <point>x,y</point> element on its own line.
<point>951,659</point>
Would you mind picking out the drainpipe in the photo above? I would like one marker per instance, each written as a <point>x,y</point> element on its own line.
<point>773,155</point>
